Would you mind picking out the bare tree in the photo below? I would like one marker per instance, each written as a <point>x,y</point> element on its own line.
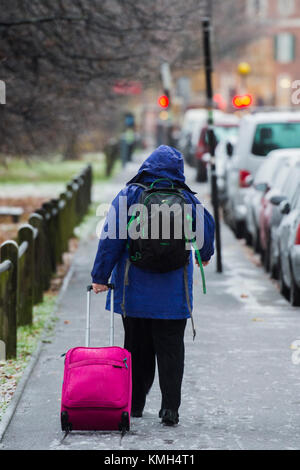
<point>61,58</point>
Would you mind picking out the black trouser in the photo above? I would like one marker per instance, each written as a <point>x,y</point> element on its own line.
<point>146,338</point>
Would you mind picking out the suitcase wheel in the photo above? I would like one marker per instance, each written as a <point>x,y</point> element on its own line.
<point>65,425</point>
<point>124,424</point>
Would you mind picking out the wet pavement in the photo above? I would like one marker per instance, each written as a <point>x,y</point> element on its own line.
<point>240,389</point>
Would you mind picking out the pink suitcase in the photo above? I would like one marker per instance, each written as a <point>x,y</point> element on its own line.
<point>96,393</point>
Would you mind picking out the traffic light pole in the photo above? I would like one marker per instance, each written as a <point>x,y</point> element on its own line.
<point>206,25</point>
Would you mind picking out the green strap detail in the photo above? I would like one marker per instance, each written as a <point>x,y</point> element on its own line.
<point>190,219</point>
<point>136,257</point>
<point>201,267</point>
<point>162,179</point>
<point>130,221</point>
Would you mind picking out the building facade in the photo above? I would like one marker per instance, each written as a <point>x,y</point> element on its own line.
<point>273,55</point>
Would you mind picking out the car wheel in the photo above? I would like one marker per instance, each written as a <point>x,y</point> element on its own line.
<point>294,294</point>
<point>201,172</point>
<point>225,215</point>
<point>248,237</point>
<point>273,270</point>
<point>267,256</point>
<point>273,265</point>
<point>256,242</point>
<point>284,290</point>
<point>239,230</point>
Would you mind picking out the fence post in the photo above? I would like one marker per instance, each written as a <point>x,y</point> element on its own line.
<point>40,264</point>
<point>89,182</point>
<point>26,275</point>
<point>57,216</point>
<point>85,175</point>
<point>47,264</point>
<point>9,251</point>
<point>67,196</point>
<point>63,209</point>
<point>50,231</point>
<point>79,211</point>
<point>73,188</point>
<point>88,186</point>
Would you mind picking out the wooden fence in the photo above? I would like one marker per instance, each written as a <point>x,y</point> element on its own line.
<point>28,263</point>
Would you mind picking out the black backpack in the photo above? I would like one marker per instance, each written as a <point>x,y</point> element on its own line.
<point>160,254</point>
<point>166,252</point>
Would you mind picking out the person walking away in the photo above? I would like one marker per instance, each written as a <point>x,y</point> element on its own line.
<point>154,305</point>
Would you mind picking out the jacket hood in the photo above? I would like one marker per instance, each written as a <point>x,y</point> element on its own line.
<point>164,162</point>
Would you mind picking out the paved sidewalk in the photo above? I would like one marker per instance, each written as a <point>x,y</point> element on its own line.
<point>240,389</point>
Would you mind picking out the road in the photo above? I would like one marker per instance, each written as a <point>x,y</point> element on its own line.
<point>240,389</point>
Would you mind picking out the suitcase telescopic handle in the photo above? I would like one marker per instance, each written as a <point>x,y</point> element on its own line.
<point>88,316</point>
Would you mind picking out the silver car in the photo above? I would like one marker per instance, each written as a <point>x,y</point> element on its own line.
<point>289,246</point>
<point>286,191</point>
<point>261,184</point>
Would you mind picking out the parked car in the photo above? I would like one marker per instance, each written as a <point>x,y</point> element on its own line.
<point>225,126</point>
<point>285,193</point>
<point>289,245</point>
<point>223,153</point>
<point>259,134</point>
<point>192,118</point>
<point>262,183</point>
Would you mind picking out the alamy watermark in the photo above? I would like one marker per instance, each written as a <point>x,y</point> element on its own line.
<point>296,93</point>
<point>166,222</point>
<point>295,346</point>
<point>2,92</point>
<point>2,351</point>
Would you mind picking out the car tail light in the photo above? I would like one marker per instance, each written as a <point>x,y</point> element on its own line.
<point>297,239</point>
<point>242,178</point>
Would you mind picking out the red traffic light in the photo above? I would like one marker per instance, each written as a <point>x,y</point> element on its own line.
<point>243,101</point>
<point>163,101</point>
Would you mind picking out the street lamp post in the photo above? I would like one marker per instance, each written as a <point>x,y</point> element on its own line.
<point>206,25</point>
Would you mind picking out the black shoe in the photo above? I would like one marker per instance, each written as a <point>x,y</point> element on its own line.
<point>169,417</point>
<point>136,413</point>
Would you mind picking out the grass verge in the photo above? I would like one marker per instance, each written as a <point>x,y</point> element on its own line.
<point>51,170</point>
<point>27,341</point>
<point>44,319</point>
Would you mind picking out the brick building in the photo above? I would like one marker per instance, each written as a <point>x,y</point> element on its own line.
<point>274,54</point>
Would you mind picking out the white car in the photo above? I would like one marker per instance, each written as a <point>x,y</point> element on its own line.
<point>223,154</point>
<point>191,119</point>
<point>259,134</point>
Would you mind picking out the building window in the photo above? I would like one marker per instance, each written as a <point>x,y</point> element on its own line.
<point>285,45</point>
<point>257,8</point>
<point>286,7</point>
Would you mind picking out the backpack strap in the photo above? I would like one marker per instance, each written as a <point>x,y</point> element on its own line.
<point>187,294</point>
<point>138,184</point>
<point>126,283</point>
<point>197,251</point>
<point>162,179</point>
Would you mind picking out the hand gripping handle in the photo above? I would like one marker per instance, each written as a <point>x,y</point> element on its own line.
<point>88,317</point>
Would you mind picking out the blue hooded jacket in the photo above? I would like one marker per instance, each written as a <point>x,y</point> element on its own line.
<point>148,294</point>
